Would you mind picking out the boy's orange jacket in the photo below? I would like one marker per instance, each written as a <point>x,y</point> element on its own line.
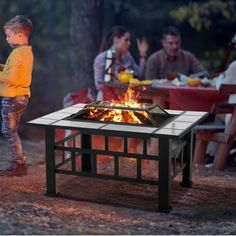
<point>16,74</point>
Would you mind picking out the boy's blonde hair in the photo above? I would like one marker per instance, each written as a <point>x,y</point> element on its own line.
<point>20,24</point>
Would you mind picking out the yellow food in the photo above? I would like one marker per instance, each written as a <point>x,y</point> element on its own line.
<point>134,82</point>
<point>124,77</point>
<point>193,82</point>
<point>146,82</point>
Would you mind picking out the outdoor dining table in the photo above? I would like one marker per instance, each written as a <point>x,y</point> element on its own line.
<point>169,96</point>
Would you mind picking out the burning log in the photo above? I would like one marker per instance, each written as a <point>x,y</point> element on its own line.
<point>99,114</point>
<point>144,119</point>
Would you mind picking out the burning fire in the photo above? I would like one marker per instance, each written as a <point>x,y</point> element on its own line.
<point>128,100</point>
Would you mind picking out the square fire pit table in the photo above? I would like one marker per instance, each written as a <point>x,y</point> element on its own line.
<point>172,129</point>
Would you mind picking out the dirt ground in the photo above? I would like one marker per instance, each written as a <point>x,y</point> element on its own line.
<point>92,206</point>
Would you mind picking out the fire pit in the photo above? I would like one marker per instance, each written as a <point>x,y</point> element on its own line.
<point>115,112</point>
<point>76,153</point>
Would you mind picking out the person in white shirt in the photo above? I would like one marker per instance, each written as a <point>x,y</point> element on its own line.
<point>228,77</point>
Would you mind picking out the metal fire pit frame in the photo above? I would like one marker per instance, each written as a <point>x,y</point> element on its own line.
<point>179,129</point>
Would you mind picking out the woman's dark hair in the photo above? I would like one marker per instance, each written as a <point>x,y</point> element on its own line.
<point>116,31</point>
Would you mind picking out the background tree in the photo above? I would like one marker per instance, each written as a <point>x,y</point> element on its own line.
<point>85,30</point>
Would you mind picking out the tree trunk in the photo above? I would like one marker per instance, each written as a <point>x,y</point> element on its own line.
<point>85,34</point>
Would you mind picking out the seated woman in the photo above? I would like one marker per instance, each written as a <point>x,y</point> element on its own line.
<point>118,40</point>
<point>228,77</point>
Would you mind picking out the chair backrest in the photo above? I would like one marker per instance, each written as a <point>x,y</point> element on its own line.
<point>223,108</point>
<point>227,89</point>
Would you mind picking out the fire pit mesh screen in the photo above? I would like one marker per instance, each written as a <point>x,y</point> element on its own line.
<point>112,112</point>
<point>123,106</point>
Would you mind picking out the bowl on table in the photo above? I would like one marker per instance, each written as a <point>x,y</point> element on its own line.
<point>193,82</point>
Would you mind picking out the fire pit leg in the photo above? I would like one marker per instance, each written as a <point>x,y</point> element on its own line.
<point>187,171</point>
<point>50,163</point>
<point>86,158</point>
<point>164,183</point>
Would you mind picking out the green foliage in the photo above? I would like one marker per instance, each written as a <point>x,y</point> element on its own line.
<point>214,20</point>
<point>203,15</point>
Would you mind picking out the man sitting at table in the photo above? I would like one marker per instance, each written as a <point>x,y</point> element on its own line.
<point>171,59</point>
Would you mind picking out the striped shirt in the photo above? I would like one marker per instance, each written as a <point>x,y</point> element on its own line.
<point>127,62</point>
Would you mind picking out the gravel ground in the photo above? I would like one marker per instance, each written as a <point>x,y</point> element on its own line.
<point>92,206</point>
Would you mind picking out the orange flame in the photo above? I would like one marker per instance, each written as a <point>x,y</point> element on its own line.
<point>128,100</point>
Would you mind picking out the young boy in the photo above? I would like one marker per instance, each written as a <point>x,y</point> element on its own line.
<point>15,80</point>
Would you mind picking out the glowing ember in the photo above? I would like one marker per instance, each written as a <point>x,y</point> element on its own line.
<point>128,100</point>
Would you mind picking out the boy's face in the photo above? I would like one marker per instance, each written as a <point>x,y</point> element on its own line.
<point>12,37</point>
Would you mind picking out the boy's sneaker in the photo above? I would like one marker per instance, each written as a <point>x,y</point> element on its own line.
<point>208,162</point>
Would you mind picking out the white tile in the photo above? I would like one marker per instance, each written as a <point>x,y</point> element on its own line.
<point>78,124</point>
<point>71,110</point>
<point>178,125</point>
<point>174,132</point>
<point>185,118</point>
<point>129,128</point>
<point>80,105</point>
<point>56,115</point>
<point>41,121</point>
<point>195,113</point>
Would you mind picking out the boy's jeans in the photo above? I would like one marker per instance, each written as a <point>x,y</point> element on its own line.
<point>12,109</point>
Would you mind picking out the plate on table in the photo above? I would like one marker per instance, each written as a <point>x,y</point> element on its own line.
<point>146,82</point>
<point>206,82</point>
